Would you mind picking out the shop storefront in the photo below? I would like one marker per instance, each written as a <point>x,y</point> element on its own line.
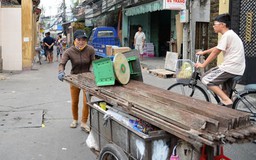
<point>160,21</point>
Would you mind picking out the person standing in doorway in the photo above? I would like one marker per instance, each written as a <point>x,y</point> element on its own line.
<point>139,41</point>
<point>49,43</point>
<point>81,56</point>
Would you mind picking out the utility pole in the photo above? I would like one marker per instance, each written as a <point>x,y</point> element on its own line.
<point>64,12</point>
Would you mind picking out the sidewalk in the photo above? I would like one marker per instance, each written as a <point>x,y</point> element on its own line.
<point>153,62</point>
<point>158,63</point>
<point>34,91</point>
<point>3,76</point>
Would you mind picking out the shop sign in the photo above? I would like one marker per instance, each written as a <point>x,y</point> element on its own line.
<point>174,4</point>
<point>184,16</point>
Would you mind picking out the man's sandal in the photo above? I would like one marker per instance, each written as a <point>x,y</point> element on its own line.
<point>226,105</point>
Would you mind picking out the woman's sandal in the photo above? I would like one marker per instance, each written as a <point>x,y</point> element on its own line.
<point>73,124</point>
<point>85,127</point>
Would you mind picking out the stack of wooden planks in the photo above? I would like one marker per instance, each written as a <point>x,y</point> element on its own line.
<point>162,73</point>
<point>194,121</point>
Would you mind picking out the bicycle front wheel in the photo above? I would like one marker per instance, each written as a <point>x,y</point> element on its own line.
<point>246,103</point>
<point>194,91</point>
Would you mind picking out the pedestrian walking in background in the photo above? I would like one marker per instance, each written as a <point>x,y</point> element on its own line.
<point>59,48</point>
<point>81,56</point>
<point>139,41</point>
<point>42,53</point>
<point>49,43</point>
<point>234,59</point>
<point>44,48</point>
<point>64,44</point>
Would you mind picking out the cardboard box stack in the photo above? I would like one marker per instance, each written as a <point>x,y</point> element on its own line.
<point>112,50</point>
<point>116,50</point>
<point>109,50</point>
<point>149,49</point>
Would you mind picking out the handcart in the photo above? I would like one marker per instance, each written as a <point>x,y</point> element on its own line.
<point>195,127</point>
<point>119,141</point>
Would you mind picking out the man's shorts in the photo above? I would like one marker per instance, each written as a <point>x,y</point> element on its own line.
<point>49,52</point>
<point>217,77</point>
<point>139,48</point>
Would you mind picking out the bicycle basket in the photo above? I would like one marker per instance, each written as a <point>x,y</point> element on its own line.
<point>184,70</point>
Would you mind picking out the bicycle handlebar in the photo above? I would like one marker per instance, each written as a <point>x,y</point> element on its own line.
<point>198,58</point>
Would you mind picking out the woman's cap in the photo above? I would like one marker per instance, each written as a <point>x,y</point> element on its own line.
<point>80,34</point>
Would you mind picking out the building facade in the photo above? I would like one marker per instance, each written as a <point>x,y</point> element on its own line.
<point>18,33</point>
<point>243,22</point>
<point>10,37</point>
<point>169,25</point>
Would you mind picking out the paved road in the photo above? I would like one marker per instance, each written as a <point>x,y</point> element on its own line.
<point>38,90</point>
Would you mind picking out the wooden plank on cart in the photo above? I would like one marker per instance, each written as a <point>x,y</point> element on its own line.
<point>162,73</point>
<point>178,117</point>
<point>189,119</point>
<point>228,119</point>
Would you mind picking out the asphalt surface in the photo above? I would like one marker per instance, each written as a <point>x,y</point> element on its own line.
<point>40,90</point>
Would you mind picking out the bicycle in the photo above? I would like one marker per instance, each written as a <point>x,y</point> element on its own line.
<point>187,84</point>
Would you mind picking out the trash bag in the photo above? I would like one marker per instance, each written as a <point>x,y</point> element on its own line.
<point>160,150</point>
<point>91,142</point>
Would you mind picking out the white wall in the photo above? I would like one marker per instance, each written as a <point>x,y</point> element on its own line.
<point>0,24</point>
<point>10,38</point>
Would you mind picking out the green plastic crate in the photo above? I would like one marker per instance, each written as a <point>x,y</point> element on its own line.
<point>103,72</point>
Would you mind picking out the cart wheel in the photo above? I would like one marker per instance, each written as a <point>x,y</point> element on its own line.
<point>112,152</point>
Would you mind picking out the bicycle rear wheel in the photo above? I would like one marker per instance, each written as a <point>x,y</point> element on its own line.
<point>246,103</point>
<point>195,91</point>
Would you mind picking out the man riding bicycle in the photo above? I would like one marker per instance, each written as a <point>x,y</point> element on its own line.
<point>234,60</point>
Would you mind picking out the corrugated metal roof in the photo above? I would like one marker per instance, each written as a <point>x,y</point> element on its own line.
<point>18,2</point>
<point>144,8</point>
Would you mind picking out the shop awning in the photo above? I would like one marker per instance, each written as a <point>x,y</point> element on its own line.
<point>145,8</point>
